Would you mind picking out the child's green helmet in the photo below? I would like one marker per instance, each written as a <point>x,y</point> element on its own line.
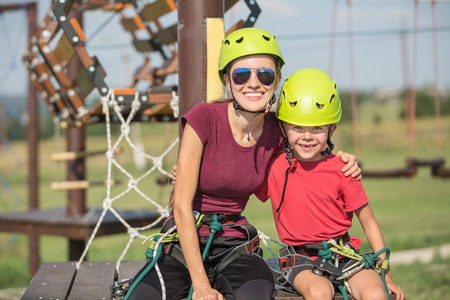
<point>309,98</point>
<point>247,41</point>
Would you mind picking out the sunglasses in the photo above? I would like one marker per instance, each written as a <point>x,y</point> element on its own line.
<point>242,75</point>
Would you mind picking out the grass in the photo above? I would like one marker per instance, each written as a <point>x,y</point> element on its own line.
<point>413,212</point>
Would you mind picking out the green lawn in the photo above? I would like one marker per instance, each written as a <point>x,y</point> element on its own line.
<point>412,212</point>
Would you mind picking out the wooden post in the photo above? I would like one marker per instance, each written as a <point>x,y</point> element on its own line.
<point>76,205</point>
<point>192,49</point>
<point>33,149</point>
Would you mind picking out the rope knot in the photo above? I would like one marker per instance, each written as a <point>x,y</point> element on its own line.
<point>369,260</point>
<point>132,183</point>
<point>325,252</point>
<point>215,226</point>
<point>125,129</point>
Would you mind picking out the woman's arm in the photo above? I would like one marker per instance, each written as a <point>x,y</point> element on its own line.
<point>190,155</point>
<point>375,238</point>
<point>351,168</point>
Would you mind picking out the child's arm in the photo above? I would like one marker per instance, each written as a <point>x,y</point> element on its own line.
<point>375,238</point>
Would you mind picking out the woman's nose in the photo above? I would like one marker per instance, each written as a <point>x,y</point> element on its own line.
<point>253,81</point>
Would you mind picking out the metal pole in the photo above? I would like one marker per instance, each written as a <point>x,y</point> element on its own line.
<point>76,168</point>
<point>192,48</point>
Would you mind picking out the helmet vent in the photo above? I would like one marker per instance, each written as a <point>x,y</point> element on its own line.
<point>331,98</point>
<point>266,38</point>
<point>319,106</point>
<point>240,40</point>
<point>227,42</point>
<point>293,104</point>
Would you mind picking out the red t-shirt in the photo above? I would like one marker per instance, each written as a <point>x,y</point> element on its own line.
<point>319,200</point>
<point>229,173</point>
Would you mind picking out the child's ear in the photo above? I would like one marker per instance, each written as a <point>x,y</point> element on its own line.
<point>332,129</point>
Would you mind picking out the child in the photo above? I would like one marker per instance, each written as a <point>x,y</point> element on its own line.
<point>312,201</point>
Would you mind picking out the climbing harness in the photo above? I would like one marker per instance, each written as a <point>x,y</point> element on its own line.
<point>326,264</point>
<point>166,241</point>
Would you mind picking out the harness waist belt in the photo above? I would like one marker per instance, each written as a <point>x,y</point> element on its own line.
<point>312,249</point>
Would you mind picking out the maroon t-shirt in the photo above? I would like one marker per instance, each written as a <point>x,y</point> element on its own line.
<point>229,173</point>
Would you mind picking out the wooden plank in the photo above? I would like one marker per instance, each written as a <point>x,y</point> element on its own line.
<point>129,268</point>
<point>51,281</point>
<point>143,45</point>
<point>132,24</point>
<point>64,51</point>
<point>93,281</point>
<point>56,222</point>
<point>168,35</point>
<point>156,9</point>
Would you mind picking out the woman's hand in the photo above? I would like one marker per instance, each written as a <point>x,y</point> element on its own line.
<point>351,168</point>
<point>207,293</point>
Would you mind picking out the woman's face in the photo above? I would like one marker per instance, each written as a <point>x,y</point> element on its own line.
<point>252,95</point>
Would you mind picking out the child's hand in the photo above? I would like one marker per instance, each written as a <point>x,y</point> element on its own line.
<point>351,168</point>
<point>395,289</point>
<point>173,174</point>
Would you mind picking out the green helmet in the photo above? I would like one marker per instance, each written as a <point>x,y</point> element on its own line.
<point>309,98</point>
<point>247,41</point>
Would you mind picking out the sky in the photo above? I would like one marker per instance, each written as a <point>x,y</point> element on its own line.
<point>303,29</point>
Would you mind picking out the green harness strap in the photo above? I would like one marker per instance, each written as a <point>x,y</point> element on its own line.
<point>214,226</point>
<point>326,254</point>
<point>173,237</point>
<point>148,254</point>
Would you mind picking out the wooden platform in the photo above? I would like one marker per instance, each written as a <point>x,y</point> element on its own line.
<point>57,222</point>
<point>61,280</point>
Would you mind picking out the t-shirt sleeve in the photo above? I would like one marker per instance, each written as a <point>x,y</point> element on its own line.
<point>263,193</point>
<point>199,118</point>
<point>354,195</point>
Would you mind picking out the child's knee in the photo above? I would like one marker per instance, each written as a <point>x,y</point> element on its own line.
<point>374,293</point>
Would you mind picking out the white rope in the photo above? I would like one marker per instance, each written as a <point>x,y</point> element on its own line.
<point>110,103</point>
<point>264,238</point>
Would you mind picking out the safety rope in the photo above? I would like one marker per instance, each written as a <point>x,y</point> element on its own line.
<point>364,261</point>
<point>214,226</point>
<point>109,102</point>
<point>169,237</point>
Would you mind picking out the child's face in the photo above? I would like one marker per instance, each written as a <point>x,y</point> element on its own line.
<point>307,142</point>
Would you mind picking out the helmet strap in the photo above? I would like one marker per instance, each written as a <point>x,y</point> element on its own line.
<point>292,165</point>
<point>329,143</point>
<point>238,107</point>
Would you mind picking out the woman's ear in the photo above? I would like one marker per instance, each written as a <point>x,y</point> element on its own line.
<point>226,78</point>
<point>277,82</point>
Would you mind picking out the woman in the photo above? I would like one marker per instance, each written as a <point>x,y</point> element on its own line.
<point>223,158</point>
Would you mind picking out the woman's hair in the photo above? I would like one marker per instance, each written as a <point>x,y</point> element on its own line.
<point>171,197</point>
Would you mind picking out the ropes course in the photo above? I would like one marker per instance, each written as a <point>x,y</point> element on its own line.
<point>60,42</point>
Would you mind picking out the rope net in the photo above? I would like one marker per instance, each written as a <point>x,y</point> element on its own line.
<point>110,103</point>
